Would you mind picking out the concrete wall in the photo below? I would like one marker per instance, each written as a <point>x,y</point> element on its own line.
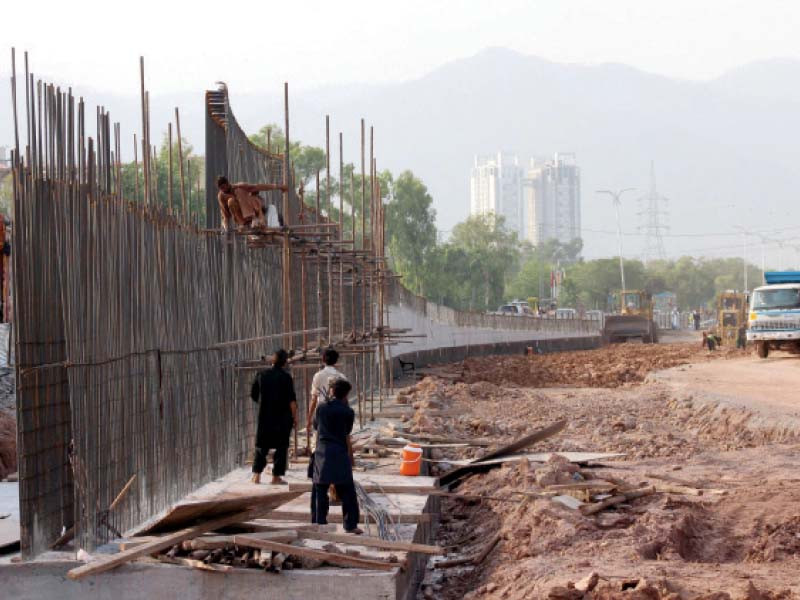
<point>434,356</point>
<point>137,581</point>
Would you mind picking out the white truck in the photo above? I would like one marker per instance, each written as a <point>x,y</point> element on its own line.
<point>774,316</point>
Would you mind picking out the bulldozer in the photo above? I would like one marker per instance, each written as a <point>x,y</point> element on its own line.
<point>632,318</point>
<point>731,315</point>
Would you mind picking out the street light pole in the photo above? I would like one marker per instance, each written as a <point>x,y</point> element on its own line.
<point>615,199</point>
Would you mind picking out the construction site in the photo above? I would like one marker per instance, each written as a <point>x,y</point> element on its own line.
<point>552,464</point>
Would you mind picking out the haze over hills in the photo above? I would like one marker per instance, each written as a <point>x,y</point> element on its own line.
<point>725,150</point>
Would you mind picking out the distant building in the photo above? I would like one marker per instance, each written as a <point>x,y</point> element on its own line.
<point>496,187</point>
<point>5,160</point>
<point>551,194</point>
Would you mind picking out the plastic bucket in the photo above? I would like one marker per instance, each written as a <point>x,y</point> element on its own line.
<point>411,460</point>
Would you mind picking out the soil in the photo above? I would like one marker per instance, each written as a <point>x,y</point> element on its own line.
<point>8,423</point>
<point>723,522</point>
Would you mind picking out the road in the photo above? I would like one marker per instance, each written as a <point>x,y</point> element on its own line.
<point>766,386</point>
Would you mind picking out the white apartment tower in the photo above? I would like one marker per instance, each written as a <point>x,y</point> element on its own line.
<point>551,193</point>
<point>496,187</point>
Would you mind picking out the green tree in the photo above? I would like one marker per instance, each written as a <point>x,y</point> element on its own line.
<point>306,160</point>
<point>6,195</point>
<point>193,177</point>
<point>492,256</point>
<point>410,228</point>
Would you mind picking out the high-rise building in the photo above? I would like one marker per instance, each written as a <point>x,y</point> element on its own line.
<point>551,193</point>
<point>496,187</point>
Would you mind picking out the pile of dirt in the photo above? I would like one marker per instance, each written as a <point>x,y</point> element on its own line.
<point>662,546</point>
<point>8,444</point>
<point>609,367</point>
<point>722,523</point>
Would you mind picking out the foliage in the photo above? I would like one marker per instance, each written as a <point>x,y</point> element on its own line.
<point>306,160</point>
<point>695,281</point>
<point>411,228</point>
<point>193,177</point>
<point>6,195</point>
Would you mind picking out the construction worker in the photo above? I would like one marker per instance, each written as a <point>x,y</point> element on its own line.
<point>273,389</point>
<point>711,341</point>
<point>321,384</point>
<point>741,337</point>
<point>333,459</point>
<point>240,202</point>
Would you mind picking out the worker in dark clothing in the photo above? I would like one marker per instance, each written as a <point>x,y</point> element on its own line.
<point>741,338</point>
<point>711,341</point>
<point>273,389</point>
<point>696,318</point>
<point>333,458</point>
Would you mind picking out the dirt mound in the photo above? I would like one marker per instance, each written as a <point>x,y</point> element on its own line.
<point>777,541</point>
<point>8,444</point>
<point>610,366</point>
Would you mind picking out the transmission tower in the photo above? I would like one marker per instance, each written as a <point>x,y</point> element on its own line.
<point>653,216</point>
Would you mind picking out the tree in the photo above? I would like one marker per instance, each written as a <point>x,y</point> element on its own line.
<point>492,255</point>
<point>532,280</point>
<point>410,228</point>
<point>6,194</point>
<point>306,160</point>
<point>193,176</point>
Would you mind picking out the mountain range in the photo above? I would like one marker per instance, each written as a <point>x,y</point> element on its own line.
<point>725,150</point>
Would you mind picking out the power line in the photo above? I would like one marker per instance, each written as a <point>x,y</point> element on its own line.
<point>653,227</point>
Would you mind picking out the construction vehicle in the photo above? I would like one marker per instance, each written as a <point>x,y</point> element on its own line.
<point>632,318</point>
<point>774,320</point>
<point>731,316</point>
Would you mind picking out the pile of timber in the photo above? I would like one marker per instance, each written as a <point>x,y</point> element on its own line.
<point>195,539</point>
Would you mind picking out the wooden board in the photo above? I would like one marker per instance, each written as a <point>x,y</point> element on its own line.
<point>191,511</point>
<point>330,557</point>
<point>541,457</point>
<point>370,542</point>
<point>520,444</point>
<point>336,517</point>
<point>108,562</point>
<point>375,488</point>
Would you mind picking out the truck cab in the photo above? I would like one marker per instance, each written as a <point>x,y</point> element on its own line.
<point>774,316</point>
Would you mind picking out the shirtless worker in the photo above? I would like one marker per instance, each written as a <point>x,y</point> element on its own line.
<point>240,201</point>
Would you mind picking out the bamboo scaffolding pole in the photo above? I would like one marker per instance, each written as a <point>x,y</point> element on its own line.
<point>180,163</point>
<point>145,141</point>
<point>136,169</point>
<point>169,170</point>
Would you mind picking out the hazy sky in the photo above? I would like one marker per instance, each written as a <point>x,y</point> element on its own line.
<point>257,45</point>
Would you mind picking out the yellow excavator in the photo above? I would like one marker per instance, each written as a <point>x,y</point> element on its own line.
<point>632,318</point>
<point>731,315</point>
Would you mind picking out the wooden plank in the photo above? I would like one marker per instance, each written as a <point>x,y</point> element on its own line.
<point>590,509</point>
<point>112,561</point>
<point>370,542</point>
<point>582,485</point>
<point>196,564</point>
<point>538,457</point>
<point>520,444</point>
<point>374,488</point>
<point>329,557</point>
<point>188,512</point>
<point>335,517</point>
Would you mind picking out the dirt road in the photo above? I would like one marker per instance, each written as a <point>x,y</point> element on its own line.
<point>723,523</point>
<point>770,387</point>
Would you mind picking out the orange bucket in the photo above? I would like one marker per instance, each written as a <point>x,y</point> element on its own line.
<point>411,461</point>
